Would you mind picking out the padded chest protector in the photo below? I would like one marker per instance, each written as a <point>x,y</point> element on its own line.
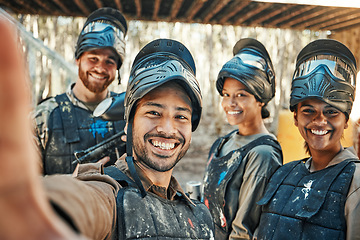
<point>152,217</point>
<point>71,129</point>
<point>220,174</point>
<point>299,204</point>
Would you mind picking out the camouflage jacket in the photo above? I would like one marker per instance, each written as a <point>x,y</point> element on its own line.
<point>42,113</point>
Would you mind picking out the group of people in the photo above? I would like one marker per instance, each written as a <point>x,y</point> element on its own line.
<point>247,193</point>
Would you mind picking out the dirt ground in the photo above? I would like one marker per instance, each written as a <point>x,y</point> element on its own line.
<point>192,166</point>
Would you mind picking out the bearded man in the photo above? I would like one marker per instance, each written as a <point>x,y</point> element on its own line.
<point>65,123</point>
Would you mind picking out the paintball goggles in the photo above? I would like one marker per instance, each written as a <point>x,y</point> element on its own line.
<point>111,109</point>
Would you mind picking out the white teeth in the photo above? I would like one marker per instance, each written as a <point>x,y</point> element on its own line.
<point>319,132</point>
<point>233,112</point>
<point>97,77</point>
<point>164,146</point>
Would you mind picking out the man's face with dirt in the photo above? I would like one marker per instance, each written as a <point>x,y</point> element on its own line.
<point>162,127</point>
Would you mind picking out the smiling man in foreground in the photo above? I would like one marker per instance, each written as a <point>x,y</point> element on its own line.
<point>138,199</point>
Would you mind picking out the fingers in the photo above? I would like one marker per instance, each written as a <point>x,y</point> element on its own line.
<point>123,138</point>
<point>76,170</point>
<point>104,160</point>
<point>25,210</point>
<point>16,149</point>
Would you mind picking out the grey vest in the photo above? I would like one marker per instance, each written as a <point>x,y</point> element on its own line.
<point>71,129</point>
<point>302,205</point>
<point>152,217</point>
<point>222,176</point>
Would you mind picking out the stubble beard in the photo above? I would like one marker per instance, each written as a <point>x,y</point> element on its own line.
<point>142,155</point>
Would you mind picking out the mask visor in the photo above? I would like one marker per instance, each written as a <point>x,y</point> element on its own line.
<point>101,25</point>
<point>336,66</point>
<point>113,36</point>
<point>252,60</point>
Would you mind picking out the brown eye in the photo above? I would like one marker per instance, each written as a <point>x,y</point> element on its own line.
<point>307,111</point>
<point>181,117</point>
<point>154,113</point>
<point>331,112</point>
<point>110,62</point>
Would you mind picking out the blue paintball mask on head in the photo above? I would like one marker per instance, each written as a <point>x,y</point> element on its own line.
<point>105,27</point>
<point>251,65</point>
<point>326,70</point>
<point>159,62</point>
<point>337,67</point>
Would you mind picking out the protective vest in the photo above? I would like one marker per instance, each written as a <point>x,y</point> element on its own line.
<point>152,217</point>
<point>71,129</point>
<point>299,204</point>
<point>221,175</point>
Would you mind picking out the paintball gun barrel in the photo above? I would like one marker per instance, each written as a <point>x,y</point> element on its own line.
<point>105,148</point>
<point>111,109</point>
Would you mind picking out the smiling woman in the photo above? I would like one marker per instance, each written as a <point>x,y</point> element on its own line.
<point>317,197</point>
<point>322,126</point>
<point>241,162</point>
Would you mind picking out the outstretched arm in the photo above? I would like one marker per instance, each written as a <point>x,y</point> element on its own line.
<point>25,210</point>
